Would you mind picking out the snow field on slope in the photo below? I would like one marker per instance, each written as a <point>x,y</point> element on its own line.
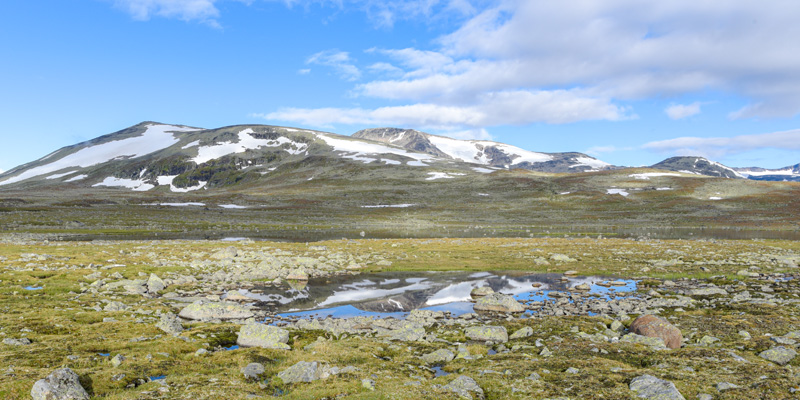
<point>359,150</point>
<point>155,138</point>
<point>246,142</point>
<point>468,151</point>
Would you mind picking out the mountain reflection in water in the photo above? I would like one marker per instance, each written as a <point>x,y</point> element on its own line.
<point>397,293</point>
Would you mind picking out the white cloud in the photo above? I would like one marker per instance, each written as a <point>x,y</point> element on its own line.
<point>716,147</point>
<point>187,10</point>
<point>492,109</point>
<point>681,111</point>
<point>598,150</point>
<point>340,61</point>
<point>304,71</point>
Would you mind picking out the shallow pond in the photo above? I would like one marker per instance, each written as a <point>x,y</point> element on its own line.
<point>395,294</point>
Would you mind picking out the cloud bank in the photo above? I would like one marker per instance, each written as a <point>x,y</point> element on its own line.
<point>722,146</point>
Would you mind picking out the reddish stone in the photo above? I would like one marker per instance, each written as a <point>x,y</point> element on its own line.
<point>652,326</point>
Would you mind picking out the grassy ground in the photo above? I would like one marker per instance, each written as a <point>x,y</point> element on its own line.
<point>62,323</point>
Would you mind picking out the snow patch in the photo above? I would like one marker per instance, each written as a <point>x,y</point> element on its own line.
<point>56,176</point>
<point>715,198</point>
<point>357,150</point>
<point>246,142</point>
<point>647,175</point>
<point>200,185</point>
<point>182,204</point>
<point>76,178</point>
<point>622,192</point>
<point>483,170</point>
<point>154,138</point>
<point>232,206</point>
<point>664,188</point>
<point>590,162</point>
<point>442,175</point>
<point>390,206</point>
<point>135,185</point>
<point>193,144</point>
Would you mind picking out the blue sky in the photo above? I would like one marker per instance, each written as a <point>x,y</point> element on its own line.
<point>627,81</point>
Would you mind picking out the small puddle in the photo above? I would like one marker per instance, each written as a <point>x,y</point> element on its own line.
<point>33,288</point>
<point>395,294</point>
<point>438,371</point>
<point>157,378</point>
<point>234,347</point>
<point>492,352</point>
<point>104,354</point>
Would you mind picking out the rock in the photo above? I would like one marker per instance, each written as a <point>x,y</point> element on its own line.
<point>264,336</point>
<point>438,356</point>
<point>253,370</point>
<point>498,302</point>
<point>407,331</point>
<point>572,370</point>
<point>495,334</point>
<point>745,272</point>
<point>115,306</point>
<point>652,342</point>
<point>170,324</point>
<point>562,258</point>
<point>17,342</point>
<point>725,386</point>
<point>779,355</point>
<point>650,387</point>
<point>481,291</point>
<point>301,372</point>
<point>534,377</point>
<point>368,384</point>
<point>583,287</point>
<point>155,284</point>
<point>61,384</point>
<point>297,275</point>
<point>617,326</point>
<point>464,386</point>
<point>229,252</point>
<point>705,396</point>
<point>205,310</point>
<point>522,333</point>
<point>712,291</point>
<point>117,360</point>
<point>652,326</point>
<point>708,341</point>
<point>200,352</point>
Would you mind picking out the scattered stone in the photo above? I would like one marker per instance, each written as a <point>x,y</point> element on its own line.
<point>522,333</point>
<point>650,387</point>
<point>711,291</point>
<point>617,326</point>
<point>115,306</point>
<point>498,302</point>
<point>705,396</point>
<point>481,291</point>
<point>534,377</point>
<point>779,355</point>
<point>572,370</point>
<point>464,386</point>
<point>61,384</point>
<point>17,342</point>
<point>155,284</point>
<point>725,386</point>
<point>652,342</point>
<point>205,310</point>
<point>117,360</point>
<point>438,356</point>
<point>264,336</point>
<point>201,352</point>
<point>652,326</point>
<point>708,341</point>
<point>368,384</point>
<point>583,287</point>
<point>253,370</point>
<point>301,372</point>
<point>229,252</point>
<point>495,334</point>
<point>407,331</point>
<point>170,324</point>
<point>562,258</point>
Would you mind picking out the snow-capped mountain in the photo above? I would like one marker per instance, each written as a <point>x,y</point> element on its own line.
<point>791,173</point>
<point>698,166</point>
<point>483,152</point>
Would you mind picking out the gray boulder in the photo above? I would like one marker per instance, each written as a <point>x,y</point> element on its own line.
<point>301,372</point>
<point>439,356</point>
<point>17,342</point>
<point>407,331</point>
<point>779,355</point>
<point>650,387</point>
<point>253,370</point>
<point>522,333</point>
<point>170,324</point>
<point>155,284</point>
<point>465,386</point>
<point>652,342</point>
<point>498,302</point>
<point>206,310</point>
<point>264,336</point>
<point>495,334</point>
<point>61,384</point>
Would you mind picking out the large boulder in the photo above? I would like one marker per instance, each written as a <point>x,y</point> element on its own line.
<point>497,334</point>
<point>464,387</point>
<point>498,302</point>
<point>438,357</point>
<point>301,372</point>
<point>650,387</point>
<point>207,310</point>
<point>652,326</point>
<point>264,336</point>
<point>155,284</point>
<point>779,355</point>
<point>61,384</point>
<point>170,324</point>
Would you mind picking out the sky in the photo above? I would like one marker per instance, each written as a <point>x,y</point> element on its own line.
<point>630,82</point>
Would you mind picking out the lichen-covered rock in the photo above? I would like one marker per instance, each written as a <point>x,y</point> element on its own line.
<point>407,331</point>
<point>779,355</point>
<point>17,342</point>
<point>264,336</point>
<point>155,284</point>
<point>115,306</point>
<point>497,334</point>
<point>61,384</point>
<point>301,372</point>
<point>498,302</point>
<point>206,310</point>
<point>438,356</point>
<point>229,252</point>
<point>522,333</point>
<point>465,386</point>
<point>654,343</point>
<point>253,370</point>
<point>170,324</point>
<point>652,326</point>
<point>481,291</point>
<point>650,387</point>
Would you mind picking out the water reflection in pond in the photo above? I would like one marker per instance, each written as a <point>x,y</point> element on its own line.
<point>395,294</point>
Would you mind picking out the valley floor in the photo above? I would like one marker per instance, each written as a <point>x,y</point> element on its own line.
<point>107,310</point>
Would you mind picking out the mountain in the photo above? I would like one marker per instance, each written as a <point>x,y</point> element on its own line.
<point>698,166</point>
<point>483,152</point>
<point>177,158</point>
<point>791,173</point>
